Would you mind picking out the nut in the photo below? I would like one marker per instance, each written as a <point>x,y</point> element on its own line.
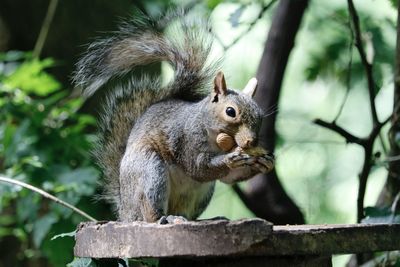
<point>225,142</point>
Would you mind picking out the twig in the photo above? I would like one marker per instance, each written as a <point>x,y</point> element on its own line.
<point>394,206</point>
<point>51,10</point>
<point>363,178</point>
<point>350,138</point>
<point>367,165</point>
<point>47,195</point>
<point>367,143</point>
<point>382,141</point>
<point>377,126</point>
<point>249,28</point>
<point>348,76</point>
<point>392,158</point>
<point>377,129</point>
<point>367,65</point>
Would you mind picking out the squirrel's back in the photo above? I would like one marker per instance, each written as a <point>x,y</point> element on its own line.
<point>108,64</point>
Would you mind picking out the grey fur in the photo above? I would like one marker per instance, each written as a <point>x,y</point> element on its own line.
<point>157,144</point>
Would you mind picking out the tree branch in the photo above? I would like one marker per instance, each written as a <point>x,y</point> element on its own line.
<point>350,138</point>
<point>392,185</point>
<point>45,28</point>
<point>348,75</point>
<point>377,129</point>
<point>249,28</point>
<point>367,65</point>
<point>47,195</point>
<point>367,144</point>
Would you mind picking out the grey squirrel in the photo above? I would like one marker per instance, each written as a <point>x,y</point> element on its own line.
<point>157,146</point>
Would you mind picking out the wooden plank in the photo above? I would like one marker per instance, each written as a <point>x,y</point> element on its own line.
<point>243,238</point>
<point>140,239</point>
<point>331,239</point>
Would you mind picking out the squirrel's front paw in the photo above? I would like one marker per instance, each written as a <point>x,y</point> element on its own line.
<point>237,159</point>
<point>265,163</point>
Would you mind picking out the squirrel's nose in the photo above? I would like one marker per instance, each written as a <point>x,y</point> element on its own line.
<point>250,142</point>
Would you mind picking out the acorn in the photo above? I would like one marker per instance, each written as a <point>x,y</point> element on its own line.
<point>225,142</point>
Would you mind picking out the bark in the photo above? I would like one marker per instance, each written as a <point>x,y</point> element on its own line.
<point>264,194</point>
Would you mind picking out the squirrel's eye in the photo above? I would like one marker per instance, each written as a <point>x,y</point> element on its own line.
<point>231,112</point>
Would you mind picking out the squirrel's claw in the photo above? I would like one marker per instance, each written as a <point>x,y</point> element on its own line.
<point>261,168</point>
<point>235,160</point>
<point>265,163</point>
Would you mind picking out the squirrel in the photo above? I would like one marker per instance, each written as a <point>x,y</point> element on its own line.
<point>157,144</point>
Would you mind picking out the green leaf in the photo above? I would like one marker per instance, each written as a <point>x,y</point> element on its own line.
<point>148,262</point>
<point>27,206</point>
<point>5,231</point>
<point>20,234</point>
<point>31,78</point>
<point>59,252</point>
<point>18,142</point>
<point>13,55</point>
<point>81,175</point>
<point>376,211</point>
<point>42,227</point>
<point>82,262</point>
<point>211,4</point>
<point>7,220</point>
<point>73,184</point>
<point>83,121</point>
<point>81,179</point>
<point>382,219</point>
<point>33,161</point>
<point>70,234</point>
<point>394,3</point>
<point>380,215</point>
<point>125,262</point>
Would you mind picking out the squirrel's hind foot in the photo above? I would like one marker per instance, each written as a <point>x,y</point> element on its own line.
<point>172,219</point>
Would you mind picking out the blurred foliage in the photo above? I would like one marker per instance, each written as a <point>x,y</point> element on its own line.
<point>380,215</point>
<point>394,3</point>
<point>336,47</point>
<point>88,262</point>
<point>43,143</point>
<point>316,165</point>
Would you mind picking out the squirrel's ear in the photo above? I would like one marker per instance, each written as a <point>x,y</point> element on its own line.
<point>251,87</point>
<point>219,86</point>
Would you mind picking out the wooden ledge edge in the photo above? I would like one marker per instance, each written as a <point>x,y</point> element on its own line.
<point>222,238</point>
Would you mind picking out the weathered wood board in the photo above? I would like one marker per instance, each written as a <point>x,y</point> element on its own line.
<point>221,238</point>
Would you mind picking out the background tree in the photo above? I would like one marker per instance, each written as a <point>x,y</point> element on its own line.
<point>265,195</point>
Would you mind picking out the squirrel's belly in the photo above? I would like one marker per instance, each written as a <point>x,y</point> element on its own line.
<point>187,197</point>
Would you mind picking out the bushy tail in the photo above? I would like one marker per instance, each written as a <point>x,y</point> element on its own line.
<point>108,64</point>
<point>140,42</point>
